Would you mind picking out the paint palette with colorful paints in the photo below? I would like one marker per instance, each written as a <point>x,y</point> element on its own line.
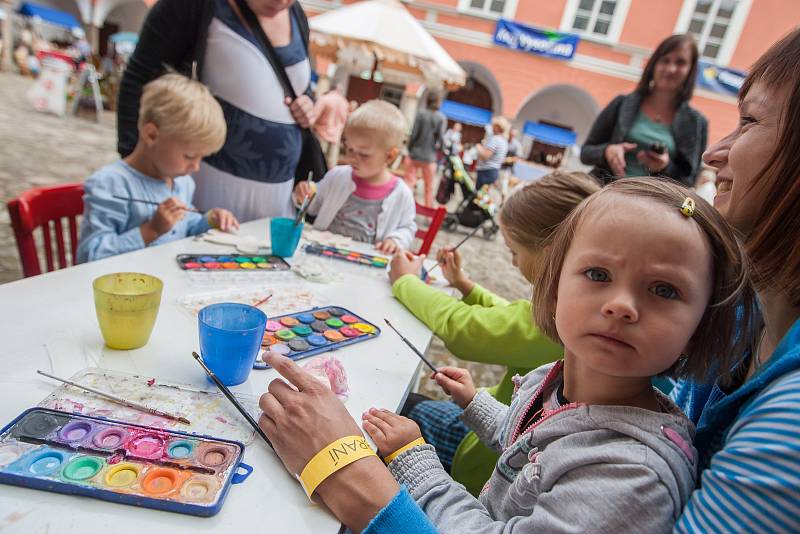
<point>231,262</point>
<point>120,462</point>
<point>347,255</point>
<point>303,334</point>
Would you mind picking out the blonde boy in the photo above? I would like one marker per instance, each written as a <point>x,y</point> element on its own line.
<point>364,200</point>
<point>180,122</point>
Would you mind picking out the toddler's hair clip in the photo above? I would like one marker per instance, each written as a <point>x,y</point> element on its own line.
<point>687,208</point>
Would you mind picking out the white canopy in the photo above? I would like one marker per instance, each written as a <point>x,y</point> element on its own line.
<point>385,29</point>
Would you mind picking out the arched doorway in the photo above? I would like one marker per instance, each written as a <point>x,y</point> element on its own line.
<point>481,91</point>
<point>563,106</point>
<point>122,16</point>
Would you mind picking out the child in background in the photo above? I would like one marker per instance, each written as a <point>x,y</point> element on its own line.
<point>363,200</point>
<point>642,279</point>
<point>180,122</point>
<point>483,327</point>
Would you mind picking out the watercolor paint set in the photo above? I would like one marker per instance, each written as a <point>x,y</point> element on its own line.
<point>231,262</point>
<point>120,462</point>
<point>307,333</point>
<point>347,255</point>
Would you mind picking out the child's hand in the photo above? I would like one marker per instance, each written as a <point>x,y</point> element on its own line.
<point>301,190</point>
<point>405,263</point>
<point>389,431</point>
<point>222,219</point>
<point>167,215</point>
<point>451,269</point>
<point>388,246</point>
<point>457,383</point>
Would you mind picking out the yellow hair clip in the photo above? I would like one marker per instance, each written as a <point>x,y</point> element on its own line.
<point>688,207</point>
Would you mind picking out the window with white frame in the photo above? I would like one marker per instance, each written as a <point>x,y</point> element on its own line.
<point>710,24</point>
<point>489,8</point>
<point>601,19</point>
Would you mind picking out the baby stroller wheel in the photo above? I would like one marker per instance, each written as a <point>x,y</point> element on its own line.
<point>450,223</point>
<point>490,232</point>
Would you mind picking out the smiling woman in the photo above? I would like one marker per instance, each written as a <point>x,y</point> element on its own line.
<point>652,131</point>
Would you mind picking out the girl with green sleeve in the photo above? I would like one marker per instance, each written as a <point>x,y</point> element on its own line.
<point>483,327</point>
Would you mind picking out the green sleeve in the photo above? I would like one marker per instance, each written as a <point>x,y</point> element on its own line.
<point>500,334</point>
<point>483,297</point>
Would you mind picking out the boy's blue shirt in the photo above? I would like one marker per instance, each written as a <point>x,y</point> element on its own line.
<point>110,225</point>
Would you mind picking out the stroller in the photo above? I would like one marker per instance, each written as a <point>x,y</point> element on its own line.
<point>477,206</point>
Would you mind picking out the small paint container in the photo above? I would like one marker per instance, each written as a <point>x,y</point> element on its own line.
<point>306,318</point>
<point>285,334</point>
<point>274,326</point>
<point>316,340</point>
<point>122,475</point>
<point>149,446</point>
<point>364,327</point>
<point>192,265</point>
<point>349,319</point>
<point>38,425</point>
<point>301,330</point>
<point>321,315</point>
<point>298,345</point>
<point>82,468</point>
<point>243,259</point>
<point>46,462</point>
<point>280,348</point>
<point>268,340</point>
<point>289,321</point>
<point>334,322</point>
<point>259,259</point>
<point>350,332</point>
<point>75,431</point>
<point>212,265</point>
<point>161,480</point>
<point>247,265</point>
<point>319,326</point>
<point>333,335</point>
<point>336,312</point>
<point>214,456</point>
<point>180,449</point>
<point>200,488</point>
<point>206,259</point>
<point>12,451</point>
<point>110,438</point>
<point>264,265</point>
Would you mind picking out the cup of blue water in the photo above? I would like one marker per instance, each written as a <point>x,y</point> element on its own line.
<point>230,339</point>
<point>285,235</point>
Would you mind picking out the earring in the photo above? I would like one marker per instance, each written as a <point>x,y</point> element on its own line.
<point>651,84</point>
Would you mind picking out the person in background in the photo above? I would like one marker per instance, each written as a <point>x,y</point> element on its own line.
<point>253,174</point>
<point>180,123</point>
<point>426,138</point>
<point>330,115</point>
<point>452,139</point>
<point>492,152</point>
<point>363,199</point>
<point>653,130</point>
<point>513,154</point>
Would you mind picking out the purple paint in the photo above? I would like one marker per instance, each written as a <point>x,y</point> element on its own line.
<point>75,431</point>
<point>111,438</point>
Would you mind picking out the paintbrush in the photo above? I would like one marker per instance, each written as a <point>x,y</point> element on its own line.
<point>416,351</point>
<point>304,207</point>
<point>120,400</point>
<point>262,301</point>
<point>151,202</point>
<point>225,391</point>
<point>439,264</point>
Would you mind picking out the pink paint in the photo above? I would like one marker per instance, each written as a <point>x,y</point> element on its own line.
<point>221,419</point>
<point>151,381</point>
<point>146,445</point>
<point>117,458</point>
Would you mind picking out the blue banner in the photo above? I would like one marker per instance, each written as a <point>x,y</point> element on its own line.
<point>544,43</point>
<point>719,79</point>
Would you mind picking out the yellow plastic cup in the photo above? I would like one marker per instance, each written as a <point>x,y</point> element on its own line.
<point>127,306</point>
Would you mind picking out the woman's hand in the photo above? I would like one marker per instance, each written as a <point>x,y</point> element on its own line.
<point>405,263</point>
<point>388,430</point>
<point>457,383</point>
<point>301,422</point>
<point>302,110</point>
<point>302,190</point>
<point>615,157</point>
<point>387,246</point>
<point>653,161</point>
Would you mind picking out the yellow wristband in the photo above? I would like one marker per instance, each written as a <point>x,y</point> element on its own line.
<point>388,459</point>
<point>331,458</point>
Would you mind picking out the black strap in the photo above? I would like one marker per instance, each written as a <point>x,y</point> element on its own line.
<point>258,32</point>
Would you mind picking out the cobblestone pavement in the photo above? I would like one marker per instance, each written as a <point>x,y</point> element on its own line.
<point>38,149</point>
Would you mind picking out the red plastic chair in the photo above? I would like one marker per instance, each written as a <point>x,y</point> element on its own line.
<point>38,208</point>
<point>437,216</point>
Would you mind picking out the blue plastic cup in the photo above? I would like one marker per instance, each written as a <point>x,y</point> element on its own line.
<point>230,339</point>
<point>285,235</point>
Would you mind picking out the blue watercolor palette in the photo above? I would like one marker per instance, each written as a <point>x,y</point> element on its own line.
<point>119,462</point>
<point>231,262</point>
<point>307,333</point>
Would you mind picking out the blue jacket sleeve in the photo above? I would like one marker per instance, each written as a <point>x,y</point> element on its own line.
<point>401,516</point>
<point>104,229</point>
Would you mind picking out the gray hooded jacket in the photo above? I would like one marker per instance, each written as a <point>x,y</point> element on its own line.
<point>581,468</point>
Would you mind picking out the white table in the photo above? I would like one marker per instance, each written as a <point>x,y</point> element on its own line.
<point>48,322</point>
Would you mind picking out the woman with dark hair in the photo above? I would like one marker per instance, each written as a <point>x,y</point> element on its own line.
<point>253,174</point>
<point>653,130</point>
